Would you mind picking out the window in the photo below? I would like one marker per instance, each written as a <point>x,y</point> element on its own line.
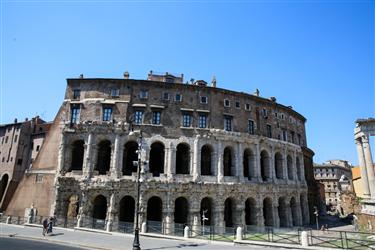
<point>269,131</point>
<point>143,94</point>
<point>299,139</point>
<point>292,136</point>
<point>228,123</point>
<point>19,162</point>
<point>204,99</point>
<point>186,120</point>
<point>226,103</point>
<point>6,139</point>
<point>251,127</point>
<point>165,96</point>
<point>107,114</point>
<point>11,159</point>
<point>138,117</point>
<point>247,106</point>
<point>115,92</point>
<point>237,104</point>
<point>15,138</point>
<point>39,178</point>
<point>284,135</point>
<point>202,122</point>
<point>76,93</point>
<point>75,114</point>
<point>264,113</point>
<point>178,97</point>
<point>37,148</point>
<point>156,117</point>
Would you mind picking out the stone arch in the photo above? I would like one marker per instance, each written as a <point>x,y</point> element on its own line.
<point>104,157</point>
<point>289,163</point>
<point>129,156</point>
<point>298,166</point>
<point>156,163</point>
<point>265,168</point>
<point>250,212</point>
<point>206,209</point>
<point>78,150</point>
<point>154,209</point>
<point>206,160</point>
<point>127,209</point>
<point>72,206</point>
<point>229,208</point>
<point>182,159</point>
<point>248,164</point>
<point>268,212</point>
<point>3,186</point>
<point>99,207</point>
<point>279,166</point>
<point>228,161</point>
<point>293,208</point>
<point>181,210</point>
<point>283,212</point>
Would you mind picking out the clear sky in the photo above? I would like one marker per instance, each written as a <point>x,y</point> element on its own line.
<point>317,56</point>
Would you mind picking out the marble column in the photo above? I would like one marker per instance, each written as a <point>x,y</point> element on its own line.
<point>294,163</point>
<point>218,217</point>
<point>362,165</point>
<point>275,215</point>
<point>220,164</point>
<point>239,215</point>
<point>259,216</point>
<point>196,169</point>
<point>168,222</point>
<point>302,168</point>
<point>369,165</point>
<point>88,161</point>
<point>272,165</point>
<point>194,222</point>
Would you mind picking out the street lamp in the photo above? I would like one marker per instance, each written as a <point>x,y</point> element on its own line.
<point>316,216</point>
<point>136,245</point>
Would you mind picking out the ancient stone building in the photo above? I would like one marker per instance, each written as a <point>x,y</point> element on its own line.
<point>236,157</point>
<point>20,144</point>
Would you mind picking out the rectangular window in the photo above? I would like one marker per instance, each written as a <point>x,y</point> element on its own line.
<point>247,106</point>
<point>178,97</point>
<point>204,99</point>
<point>299,139</point>
<point>165,96</point>
<point>107,114</point>
<point>115,92</point>
<point>156,117</point>
<point>251,127</point>
<point>226,103</point>
<point>76,93</point>
<point>138,117</point>
<point>292,136</point>
<point>238,104</point>
<point>75,110</point>
<point>202,123</point>
<point>186,120</point>
<point>269,131</point>
<point>285,138</point>
<point>15,138</point>
<point>143,94</point>
<point>39,178</point>
<point>19,162</point>
<point>228,123</point>
<point>264,113</point>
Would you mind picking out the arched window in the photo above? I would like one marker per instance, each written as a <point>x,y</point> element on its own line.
<point>154,209</point>
<point>77,155</point>
<point>250,212</point>
<point>130,155</point>
<point>157,159</point>
<point>228,161</point>
<point>279,166</point>
<point>265,166</point>
<point>228,212</point>
<point>206,160</point>
<point>182,159</point>
<point>282,210</point>
<point>104,157</point>
<point>248,164</point>
<point>293,208</point>
<point>127,209</point>
<point>181,210</point>
<point>299,175</point>
<point>99,207</point>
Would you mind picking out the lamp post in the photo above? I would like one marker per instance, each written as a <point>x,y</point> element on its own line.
<point>136,245</point>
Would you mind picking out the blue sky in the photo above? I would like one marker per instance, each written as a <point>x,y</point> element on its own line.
<point>317,56</point>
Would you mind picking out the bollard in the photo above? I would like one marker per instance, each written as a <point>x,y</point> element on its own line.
<point>9,219</point>
<point>79,221</point>
<point>144,228</point>
<point>109,226</point>
<point>304,239</point>
<point>239,233</point>
<point>186,232</point>
<point>29,219</point>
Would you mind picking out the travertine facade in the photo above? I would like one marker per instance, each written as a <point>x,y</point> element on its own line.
<point>236,157</point>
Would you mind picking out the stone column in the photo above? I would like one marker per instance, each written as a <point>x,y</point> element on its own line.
<point>218,216</point>
<point>276,219</point>
<point>196,169</point>
<point>259,215</point>
<point>84,209</point>
<point>272,165</point>
<point>294,162</point>
<point>239,162</point>
<point>171,163</point>
<point>115,158</point>
<point>369,165</point>
<point>194,221</point>
<point>285,165</point>
<point>110,213</point>
<point>302,168</point>
<point>239,214</point>
<point>61,156</point>
<point>220,164</point>
<point>299,213</point>
<point>88,162</point>
<point>168,222</point>
<point>289,215</point>
<point>362,165</point>
<point>257,174</point>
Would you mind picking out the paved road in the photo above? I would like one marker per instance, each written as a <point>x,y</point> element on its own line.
<point>20,244</point>
<point>115,241</point>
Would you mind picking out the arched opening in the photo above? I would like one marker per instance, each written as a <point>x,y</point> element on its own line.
<point>250,212</point>
<point>228,212</point>
<point>130,155</point>
<point>298,169</point>
<point>265,170</point>
<point>228,164</point>
<point>100,207</point>
<point>206,160</point>
<point>289,163</point>
<point>182,159</point>
<point>279,166</point>
<point>206,211</point>
<point>248,164</point>
<point>127,209</point>
<point>283,217</point>
<point>73,206</point>
<point>181,210</point>
<point>104,157</point>
<point>3,186</point>
<point>293,207</point>
<point>268,212</point>
<point>157,159</point>
<point>154,209</point>
<point>77,155</point>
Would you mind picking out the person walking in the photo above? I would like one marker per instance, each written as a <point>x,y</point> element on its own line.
<point>49,226</point>
<point>45,226</point>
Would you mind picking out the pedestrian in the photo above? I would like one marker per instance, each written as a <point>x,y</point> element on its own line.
<point>49,227</point>
<point>45,226</point>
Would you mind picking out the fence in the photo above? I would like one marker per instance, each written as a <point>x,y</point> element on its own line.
<point>270,234</point>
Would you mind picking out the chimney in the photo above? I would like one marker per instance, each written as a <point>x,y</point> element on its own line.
<point>126,75</point>
<point>81,76</point>
<point>213,82</point>
<point>256,92</point>
<point>15,120</point>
